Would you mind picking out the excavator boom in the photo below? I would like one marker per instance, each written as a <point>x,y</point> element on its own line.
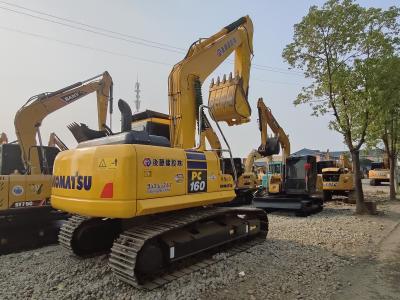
<point>228,99</point>
<point>29,117</point>
<point>55,141</point>
<point>265,119</point>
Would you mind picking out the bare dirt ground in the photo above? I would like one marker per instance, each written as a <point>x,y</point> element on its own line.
<point>330,255</point>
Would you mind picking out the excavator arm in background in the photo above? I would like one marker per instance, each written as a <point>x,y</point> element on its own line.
<point>3,138</point>
<point>55,141</point>
<point>29,118</point>
<point>227,99</point>
<point>270,146</point>
<point>251,158</point>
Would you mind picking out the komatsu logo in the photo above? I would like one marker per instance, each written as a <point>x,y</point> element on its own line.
<point>72,182</point>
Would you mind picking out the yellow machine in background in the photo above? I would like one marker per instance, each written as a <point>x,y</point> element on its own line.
<point>26,166</point>
<point>271,145</point>
<point>55,141</point>
<point>155,195</point>
<point>295,187</point>
<point>379,172</point>
<point>249,180</point>
<point>337,178</point>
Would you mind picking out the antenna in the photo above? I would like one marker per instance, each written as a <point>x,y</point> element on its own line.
<point>137,91</point>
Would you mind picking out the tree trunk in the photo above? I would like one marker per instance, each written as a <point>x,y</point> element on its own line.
<point>396,177</point>
<point>360,204</point>
<point>392,164</point>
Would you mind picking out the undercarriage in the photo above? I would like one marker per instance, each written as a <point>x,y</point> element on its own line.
<point>150,254</point>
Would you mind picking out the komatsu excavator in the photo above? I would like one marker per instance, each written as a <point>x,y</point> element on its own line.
<point>26,216</point>
<point>151,199</point>
<point>296,188</point>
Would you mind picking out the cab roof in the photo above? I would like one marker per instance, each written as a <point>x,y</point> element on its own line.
<point>147,114</point>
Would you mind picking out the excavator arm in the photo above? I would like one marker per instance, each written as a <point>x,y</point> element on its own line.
<point>228,98</point>
<point>268,146</point>
<point>29,118</point>
<point>55,141</point>
<point>251,158</point>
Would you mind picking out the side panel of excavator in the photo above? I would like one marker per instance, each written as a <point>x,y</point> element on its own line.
<point>124,181</point>
<point>4,193</point>
<point>24,191</point>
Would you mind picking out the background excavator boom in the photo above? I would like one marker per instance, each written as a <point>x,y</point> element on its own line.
<point>55,141</point>
<point>28,119</point>
<point>268,145</point>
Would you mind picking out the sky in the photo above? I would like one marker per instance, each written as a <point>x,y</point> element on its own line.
<point>41,56</point>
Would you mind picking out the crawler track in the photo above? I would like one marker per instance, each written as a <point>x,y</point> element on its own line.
<point>126,249</point>
<point>29,231</point>
<point>67,230</point>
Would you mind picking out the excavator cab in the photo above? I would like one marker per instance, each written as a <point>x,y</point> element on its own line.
<point>11,161</point>
<point>228,101</point>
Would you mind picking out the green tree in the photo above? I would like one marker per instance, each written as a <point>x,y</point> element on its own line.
<point>337,46</point>
<point>385,126</point>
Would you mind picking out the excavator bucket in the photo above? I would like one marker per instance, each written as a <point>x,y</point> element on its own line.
<point>271,147</point>
<point>227,101</point>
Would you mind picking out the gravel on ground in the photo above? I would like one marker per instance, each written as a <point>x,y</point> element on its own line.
<point>301,259</point>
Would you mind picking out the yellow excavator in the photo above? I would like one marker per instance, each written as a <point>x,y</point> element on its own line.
<point>151,199</point>
<point>271,145</point>
<point>26,216</point>
<point>337,178</point>
<point>379,172</point>
<point>296,187</point>
<point>249,181</point>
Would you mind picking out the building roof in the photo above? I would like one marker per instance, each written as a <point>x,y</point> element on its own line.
<point>306,151</point>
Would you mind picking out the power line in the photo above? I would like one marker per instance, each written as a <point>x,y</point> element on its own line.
<point>88,30</point>
<point>84,46</point>
<point>128,38</point>
<point>91,26</point>
<point>110,52</point>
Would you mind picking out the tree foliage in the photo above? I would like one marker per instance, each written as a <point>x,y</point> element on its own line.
<point>385,126</point>
<point>339,46</point>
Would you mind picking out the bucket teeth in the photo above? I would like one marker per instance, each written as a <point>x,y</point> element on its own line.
<point>226,81</point>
